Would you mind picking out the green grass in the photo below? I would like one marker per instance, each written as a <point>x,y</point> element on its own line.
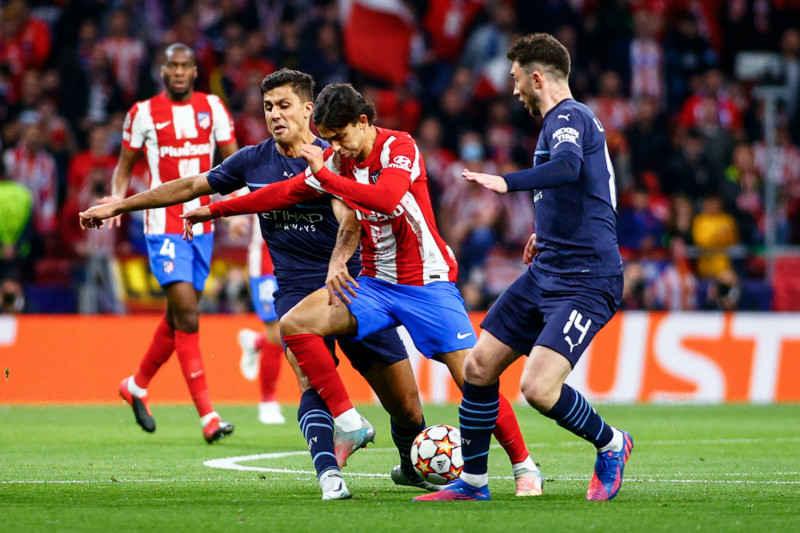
<point>707,468</point>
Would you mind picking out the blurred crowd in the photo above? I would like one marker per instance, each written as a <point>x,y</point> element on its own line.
<point>687,137</point>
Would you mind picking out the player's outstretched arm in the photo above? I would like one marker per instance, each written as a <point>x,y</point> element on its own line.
<point>488,181</point>
<point>382,196</point>
<point>170,193</point>
<point>274,196</point>
<point>563,168</point>
<point>339,281</point>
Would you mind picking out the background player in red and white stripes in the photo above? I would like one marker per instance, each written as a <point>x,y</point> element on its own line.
<point>178,131</point>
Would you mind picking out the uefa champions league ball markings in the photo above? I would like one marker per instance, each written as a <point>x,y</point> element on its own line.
<point>436,454</point>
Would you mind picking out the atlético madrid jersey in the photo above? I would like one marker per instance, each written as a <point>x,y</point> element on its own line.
<point>179,140</point>
<point>403,246</point>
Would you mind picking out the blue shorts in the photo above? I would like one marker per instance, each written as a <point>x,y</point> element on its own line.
<point>262,289</point>
<point>433,314</point>
<point>173,259</point>
<point>561,313</point>
<point>384,346</point>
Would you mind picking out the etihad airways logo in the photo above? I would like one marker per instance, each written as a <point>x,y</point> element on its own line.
<point>187,150</point>
<point>292,216</point>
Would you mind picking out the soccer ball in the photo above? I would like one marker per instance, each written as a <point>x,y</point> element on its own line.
<point>436,454</point>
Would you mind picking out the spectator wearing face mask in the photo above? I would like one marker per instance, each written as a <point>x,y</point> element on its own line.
<point>469,214</point>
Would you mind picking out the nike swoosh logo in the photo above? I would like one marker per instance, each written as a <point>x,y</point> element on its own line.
<point>463,335</point>
<point>195,374</point>
<point>161,125</point>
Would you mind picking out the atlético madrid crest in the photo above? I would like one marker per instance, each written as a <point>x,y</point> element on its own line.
<point>169,266</point>
<point>204,119</point>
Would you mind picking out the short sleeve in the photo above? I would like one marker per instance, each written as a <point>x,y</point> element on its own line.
<point>133,129</point>
<point>229,175</point>
<point>223,123</point>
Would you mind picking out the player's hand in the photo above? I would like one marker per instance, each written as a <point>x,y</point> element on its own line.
<point>195,216</point>
<point>339,282</point>
<point>488,181</point>
<point>94,216</point>
<point>313,156</point>
<point>530,250</point>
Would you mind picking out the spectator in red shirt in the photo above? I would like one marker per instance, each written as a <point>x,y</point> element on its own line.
<point>713,88</point>
<point>24,42</point>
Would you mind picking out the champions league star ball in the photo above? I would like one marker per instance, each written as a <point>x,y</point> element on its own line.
<point>436,454</point>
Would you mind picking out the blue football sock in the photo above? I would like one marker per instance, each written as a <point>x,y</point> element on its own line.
<point>477,416</point>
<point>316,423</point>
<point>574,413</point>
<point>403,438</point>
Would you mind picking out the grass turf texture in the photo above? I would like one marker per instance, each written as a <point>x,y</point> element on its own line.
<point>709,468</point>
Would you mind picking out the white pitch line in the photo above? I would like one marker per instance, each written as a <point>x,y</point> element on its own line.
<point>232,463</point>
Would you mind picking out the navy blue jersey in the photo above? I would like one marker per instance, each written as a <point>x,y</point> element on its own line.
<point>300,238</point>
<point>576,223</point>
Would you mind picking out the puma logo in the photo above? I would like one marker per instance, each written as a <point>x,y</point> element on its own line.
<point>162,125</point>
<point>565,117</point>
<point>571,346</point>
<point>463,335</point>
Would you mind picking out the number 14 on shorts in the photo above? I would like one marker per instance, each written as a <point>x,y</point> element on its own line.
<point>576,319</point>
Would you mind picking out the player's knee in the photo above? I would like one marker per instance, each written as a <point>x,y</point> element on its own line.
<point>187,320</point>
<point>293,323</point>
<point>538,394</point>
<point>477,371</point>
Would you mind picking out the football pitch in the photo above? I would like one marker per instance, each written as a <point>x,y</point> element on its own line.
<point>706,468</point>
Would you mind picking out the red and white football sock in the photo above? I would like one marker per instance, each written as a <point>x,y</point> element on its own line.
<point>319,367</point>
<point>159,351</point>
<point>508,434</point>
<point>188,347</point>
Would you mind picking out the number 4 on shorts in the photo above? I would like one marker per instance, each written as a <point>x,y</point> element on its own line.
<point>168,249</point>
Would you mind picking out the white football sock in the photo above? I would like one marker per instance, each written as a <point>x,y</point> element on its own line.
<point>616,442</point>
<point>350,420</point>
<point>524,466</point>
<point>475,480</point>
<point>135,389</point>
<point>208,418</point>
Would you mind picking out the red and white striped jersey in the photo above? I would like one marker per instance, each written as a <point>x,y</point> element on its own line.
<point>179,140</point>
<point>259,262</point>
<point>403,246</point>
